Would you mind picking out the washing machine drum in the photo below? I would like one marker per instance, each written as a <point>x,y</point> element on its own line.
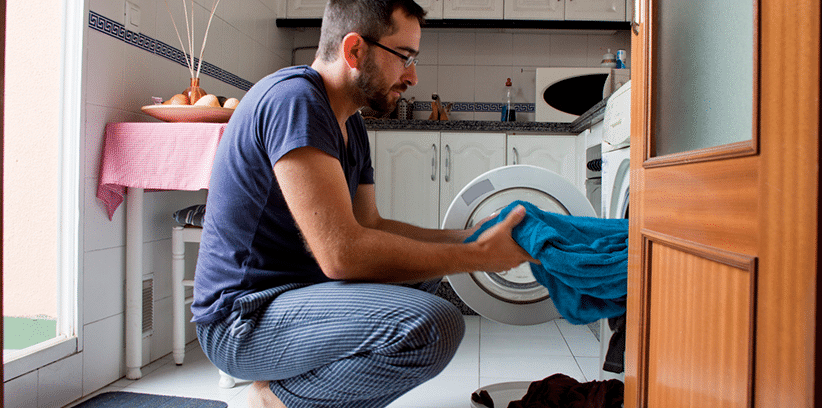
<point>511,297</point>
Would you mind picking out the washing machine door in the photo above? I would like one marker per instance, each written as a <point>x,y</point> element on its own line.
<point>511,297</point>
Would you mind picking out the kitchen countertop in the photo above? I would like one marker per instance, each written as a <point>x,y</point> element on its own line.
<point>584,121</point>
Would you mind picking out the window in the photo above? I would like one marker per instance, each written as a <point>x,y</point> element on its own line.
<point>41,182</point>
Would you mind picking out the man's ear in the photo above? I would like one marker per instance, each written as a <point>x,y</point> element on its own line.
<point>354,49</point>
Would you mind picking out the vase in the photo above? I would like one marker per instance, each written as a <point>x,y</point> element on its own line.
<point>194,92</point>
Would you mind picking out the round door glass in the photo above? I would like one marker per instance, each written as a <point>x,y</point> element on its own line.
<point>517,285</point>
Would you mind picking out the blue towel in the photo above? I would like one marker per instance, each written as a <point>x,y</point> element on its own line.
<point>584,260</point>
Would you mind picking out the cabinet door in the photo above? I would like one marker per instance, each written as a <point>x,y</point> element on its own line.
<point>305,8</point>
<point>408,174</point>
<point>534,9</point>
<point>464,157</point>
<point>432,7</point>
<point>597,10</point>
<point>555,153</point>
<point>468,9</point>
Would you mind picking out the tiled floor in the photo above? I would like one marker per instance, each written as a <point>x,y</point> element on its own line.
<point>490,353</point>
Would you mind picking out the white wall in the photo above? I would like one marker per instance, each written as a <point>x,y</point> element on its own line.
<point>119,78</point>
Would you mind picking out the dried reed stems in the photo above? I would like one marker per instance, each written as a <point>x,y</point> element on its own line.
<point>190,36</point>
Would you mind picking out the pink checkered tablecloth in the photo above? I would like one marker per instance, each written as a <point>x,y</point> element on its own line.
<point>156,156</point>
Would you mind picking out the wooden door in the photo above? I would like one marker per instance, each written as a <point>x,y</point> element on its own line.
<point>723,240</point>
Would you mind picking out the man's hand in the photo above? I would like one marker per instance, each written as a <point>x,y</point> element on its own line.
<point>506,253</point>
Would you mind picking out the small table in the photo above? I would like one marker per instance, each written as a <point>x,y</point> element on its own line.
<point>150,156</point>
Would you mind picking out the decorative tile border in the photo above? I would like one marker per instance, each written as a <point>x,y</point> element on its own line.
<point>146,43</point>
<point>476,106</point>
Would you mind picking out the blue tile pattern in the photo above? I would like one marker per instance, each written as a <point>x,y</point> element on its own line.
<point>476,106</point>
<point>116,30</point>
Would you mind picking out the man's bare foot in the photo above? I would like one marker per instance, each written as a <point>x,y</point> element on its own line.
<point>260,396</point>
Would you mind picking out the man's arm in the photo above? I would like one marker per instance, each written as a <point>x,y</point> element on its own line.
<point>315,189</point>
<point>365,210</point>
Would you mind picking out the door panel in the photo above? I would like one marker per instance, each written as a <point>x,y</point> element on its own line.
<point>694,203</point>
<point>699,357</point>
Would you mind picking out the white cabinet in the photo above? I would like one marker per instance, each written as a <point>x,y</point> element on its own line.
<point>419,173</point>
<point>534,9</point>
<point>551,10</point>
<point>555,152</point>
<point>463,157</point>
<point>304,8</point>
<point>595,10</point>
<point>315,8</point>
<point>407,178</point>
<point>473,9</point>
<point>433,8</point>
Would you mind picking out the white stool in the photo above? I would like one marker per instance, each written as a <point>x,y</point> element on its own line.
<point>179,236</point>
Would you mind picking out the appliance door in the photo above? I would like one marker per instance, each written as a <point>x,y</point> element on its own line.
<point>616,177</point>
<point>618,120</point>
<point>562,94</point>
<point>511,297</point>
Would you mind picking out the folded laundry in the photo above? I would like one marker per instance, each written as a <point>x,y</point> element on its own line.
<point>584,260</point>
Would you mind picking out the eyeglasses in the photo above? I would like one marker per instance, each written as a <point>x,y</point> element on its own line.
<point>409,59</point>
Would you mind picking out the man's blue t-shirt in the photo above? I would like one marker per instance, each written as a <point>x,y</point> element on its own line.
<point>250,241</point>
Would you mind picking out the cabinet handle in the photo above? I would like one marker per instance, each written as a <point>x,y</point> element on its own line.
<point>434,163</point>
<point>516,155</point>
<point>635,18</point>
<point>447,163</point>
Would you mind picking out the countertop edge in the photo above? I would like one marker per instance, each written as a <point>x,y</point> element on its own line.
<point>584,121</point>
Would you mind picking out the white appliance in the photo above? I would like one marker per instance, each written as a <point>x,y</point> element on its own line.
<point>616,140</point>
<point>512,297</point>
<point>616,172</point>
<point>562,94</point>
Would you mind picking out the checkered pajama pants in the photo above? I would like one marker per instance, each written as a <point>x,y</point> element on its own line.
<point>338,344</point>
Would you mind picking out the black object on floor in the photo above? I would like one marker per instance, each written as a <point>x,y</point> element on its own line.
<point>560,390</point>
<point>120,399</point>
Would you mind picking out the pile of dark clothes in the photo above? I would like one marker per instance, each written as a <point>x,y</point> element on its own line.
<point>562,391</point>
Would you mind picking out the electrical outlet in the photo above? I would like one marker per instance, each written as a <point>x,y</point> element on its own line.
<point>132,12</point>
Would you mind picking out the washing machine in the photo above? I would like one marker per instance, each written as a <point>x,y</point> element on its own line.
<point>616,154</point>
<point>512,297</point>
<point>616,172</point>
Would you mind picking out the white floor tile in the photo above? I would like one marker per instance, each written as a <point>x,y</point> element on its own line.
<point>440,392</point>
<point>583,346</point>
<point>489,327</point>
<point>472,324</point>
<point>528,369</point>
<point>569,329</point>
<point>466,360</point>
<point>590,367</point>
<point>490,353</point>
<point>524,347</point>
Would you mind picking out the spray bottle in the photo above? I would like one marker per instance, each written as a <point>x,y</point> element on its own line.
<point>509,114</point>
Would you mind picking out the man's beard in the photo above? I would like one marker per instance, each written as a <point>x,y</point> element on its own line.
<point>373,92</point>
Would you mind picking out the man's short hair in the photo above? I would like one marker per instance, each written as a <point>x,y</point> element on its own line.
<point>369,18</point>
